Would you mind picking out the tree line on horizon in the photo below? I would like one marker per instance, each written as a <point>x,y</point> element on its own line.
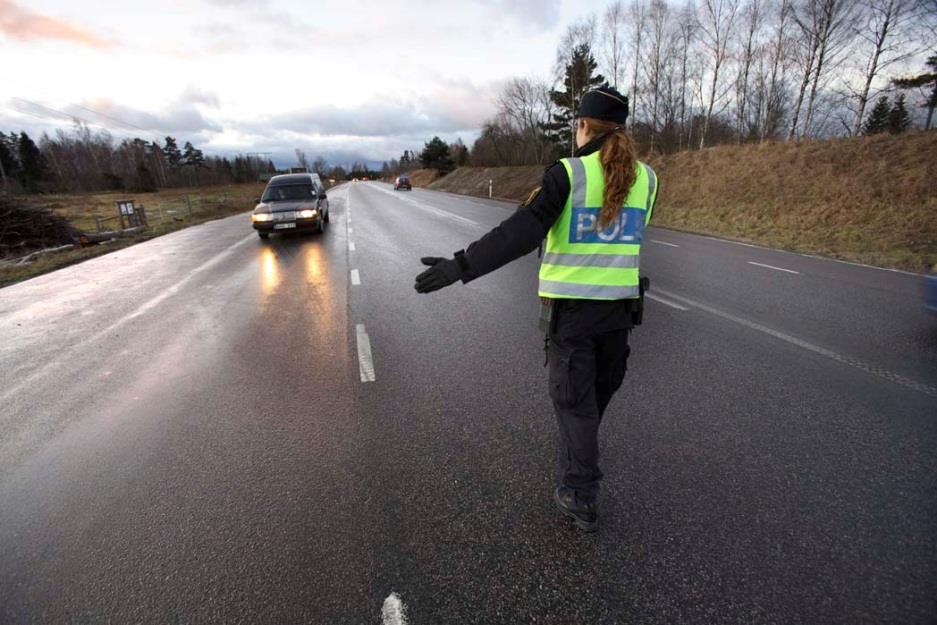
<point>93,161</point>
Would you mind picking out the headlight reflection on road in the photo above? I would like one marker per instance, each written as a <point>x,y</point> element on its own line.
<point>321,296</point>
<point>270,271</point>
<point>313,258</point>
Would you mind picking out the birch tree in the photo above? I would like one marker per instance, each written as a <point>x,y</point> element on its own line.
<point>716,27</point>
<point>613,39</point>
<point>638,19</point>
<point>885,35</point>
<point>751,22</point>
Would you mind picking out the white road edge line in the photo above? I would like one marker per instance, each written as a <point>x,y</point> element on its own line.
<point>392,612</point>
<point>666,302</point>
<point>802,254</point>
<point>351,246</point>
<point>365,361</point>
<point>355,277</point>
<point>751,262</point>
<point>816,349</point>
<point>664,243</point>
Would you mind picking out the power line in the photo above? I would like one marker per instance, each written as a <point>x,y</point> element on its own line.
<point>73,116</point>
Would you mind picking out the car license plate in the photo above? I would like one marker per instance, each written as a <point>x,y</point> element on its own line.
<point>283,226</point>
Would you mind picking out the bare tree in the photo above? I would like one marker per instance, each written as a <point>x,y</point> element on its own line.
<point>301,159</point>
<point>716,28</point>
<point>655,61</point>
<point>638,20</point>
<point>577,34</point>
<point>525,105</point>
<point>827,28</point>
<point>686,28</point>
<point>613,24</point>
<point>752,16</point>
<point>772,87</point>
<point>886,35</point>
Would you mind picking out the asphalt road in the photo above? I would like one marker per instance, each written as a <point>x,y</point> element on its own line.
<point>211,428</point>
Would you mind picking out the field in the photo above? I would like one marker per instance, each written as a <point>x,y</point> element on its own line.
<point>871,199</point>
<point>167,210</point>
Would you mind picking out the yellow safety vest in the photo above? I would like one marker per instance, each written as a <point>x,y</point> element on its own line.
<point>582,262</point>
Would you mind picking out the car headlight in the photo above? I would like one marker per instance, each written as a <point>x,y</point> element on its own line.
<point>306,214</point>
<point>262,217</point>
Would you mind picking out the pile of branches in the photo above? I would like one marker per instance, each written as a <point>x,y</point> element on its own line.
<point>24,229</point>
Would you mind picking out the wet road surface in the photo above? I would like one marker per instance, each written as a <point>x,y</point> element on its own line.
<point>211,428</point>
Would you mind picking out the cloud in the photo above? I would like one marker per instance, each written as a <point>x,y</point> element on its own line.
<point>25,25</point>
<point>452,107</point>
<point>181,117</point>
<point>197,95</point>
<point>536,14</point>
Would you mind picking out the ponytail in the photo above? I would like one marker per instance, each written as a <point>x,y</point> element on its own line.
<point>618,156</point>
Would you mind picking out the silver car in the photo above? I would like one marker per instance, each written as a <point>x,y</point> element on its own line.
<point>291,202</point>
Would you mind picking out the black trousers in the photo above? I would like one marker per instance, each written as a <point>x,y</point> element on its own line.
<point>586,368</point>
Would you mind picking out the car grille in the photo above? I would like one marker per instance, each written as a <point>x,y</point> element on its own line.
<point>285,216</point>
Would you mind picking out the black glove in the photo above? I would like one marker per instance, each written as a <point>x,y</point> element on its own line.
<point>442,272</point>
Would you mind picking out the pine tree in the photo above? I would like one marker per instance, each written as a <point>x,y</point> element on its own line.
<point>173,155</point>
<point>145,182</point>
<point>405,161</point>
<point>9,165</point>
<point>877,120</point>
<point>898,119</point>
<point>924,80</point>
<point>579,78</point>
<point>9,153</point>
<point>191,156</point>
<point>33,169</point>
<point>435,155</point>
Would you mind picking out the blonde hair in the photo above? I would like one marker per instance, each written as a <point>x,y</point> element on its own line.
<point>619,156</point>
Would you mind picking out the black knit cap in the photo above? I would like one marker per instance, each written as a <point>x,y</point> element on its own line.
<point>606,104</point>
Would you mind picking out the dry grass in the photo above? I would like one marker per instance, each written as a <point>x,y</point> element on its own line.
<point>167,211</point>
<point>423,177</point>
<point>169,204</point>
<point>509,183</point>
<point>870,199</point>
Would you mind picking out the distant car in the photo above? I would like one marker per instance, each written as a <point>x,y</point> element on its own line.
<point>402,182</point>
<point>291,202</point>
<point>930,291</point>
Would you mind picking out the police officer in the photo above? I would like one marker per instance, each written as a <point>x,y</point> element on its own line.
<point>592,209</point>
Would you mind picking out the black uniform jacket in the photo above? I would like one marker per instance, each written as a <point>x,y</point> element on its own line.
<point>522,233</point>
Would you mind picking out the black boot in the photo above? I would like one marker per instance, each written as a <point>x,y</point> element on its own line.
<point>583,513</point>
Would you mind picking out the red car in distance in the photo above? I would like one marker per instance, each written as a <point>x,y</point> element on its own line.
<point>402,182</point>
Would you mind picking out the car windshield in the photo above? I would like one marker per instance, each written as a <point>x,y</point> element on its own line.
<point>288,192</point>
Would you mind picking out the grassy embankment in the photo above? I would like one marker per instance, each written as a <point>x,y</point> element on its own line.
<point>870,200</point>
<point>167,210</point>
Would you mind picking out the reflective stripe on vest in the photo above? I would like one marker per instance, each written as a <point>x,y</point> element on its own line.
<point>583,262</point>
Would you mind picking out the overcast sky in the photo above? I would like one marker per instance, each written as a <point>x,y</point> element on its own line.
<point>352,79</point>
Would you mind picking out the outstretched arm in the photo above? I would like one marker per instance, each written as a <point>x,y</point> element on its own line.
<point>516,236</point>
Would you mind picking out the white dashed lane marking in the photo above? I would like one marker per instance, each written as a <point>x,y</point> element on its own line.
<point>355,277</point>
<point>392,612</point>
<point>365,361</point>
<point>664,243</point>
<point>751,262</point>
<point>351,247</point>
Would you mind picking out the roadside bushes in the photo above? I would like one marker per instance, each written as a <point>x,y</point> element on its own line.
<point>24,229</point>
